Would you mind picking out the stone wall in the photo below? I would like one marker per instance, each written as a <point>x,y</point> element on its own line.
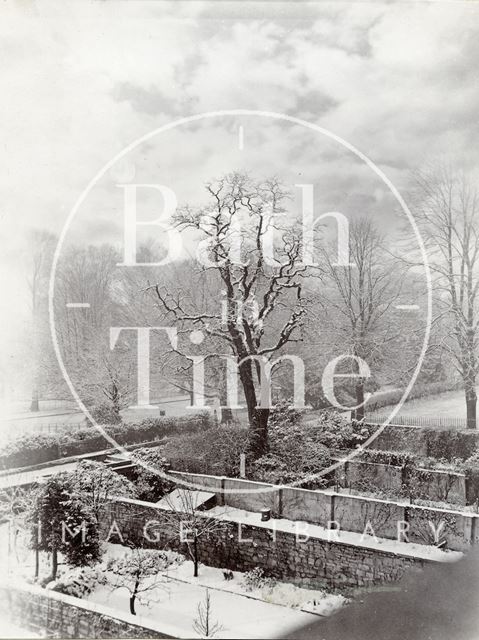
<point>54,614</point>
<point>302,557</point>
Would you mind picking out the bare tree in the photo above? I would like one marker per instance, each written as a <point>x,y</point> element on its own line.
<point>204,624</point>
<point>140,573</point>
<point>90,275</point>
<point>447,215</point>
<point>190,524</point>
<point>41,247</point>
<point>360,298</point>
<point>255,288</point>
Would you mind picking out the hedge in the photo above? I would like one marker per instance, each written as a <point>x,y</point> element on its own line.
<point>35,449</point>
<point>393,458</point>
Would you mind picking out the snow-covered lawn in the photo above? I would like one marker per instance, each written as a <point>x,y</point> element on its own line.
<point>450,404</point>
<point>262,612</point>
<point>239,616</point>
<point>266,612</point>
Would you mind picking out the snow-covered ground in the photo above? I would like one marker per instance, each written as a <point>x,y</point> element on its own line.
<point>263,612</point>
<point>239,613</point>
<point>450,404</point>
<point>9,630</point>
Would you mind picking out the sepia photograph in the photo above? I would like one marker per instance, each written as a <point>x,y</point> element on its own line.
<point>239,348</point>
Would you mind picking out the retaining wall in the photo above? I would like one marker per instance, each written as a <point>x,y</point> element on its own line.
<point>57,615</point>
<point>309,560</point>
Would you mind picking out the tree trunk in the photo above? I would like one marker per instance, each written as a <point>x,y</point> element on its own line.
<point>132,605</point>
<point>35,404</point>
<point>37,550</point>
<point>37,561</point>
<point>471,405</point>
<point>54,563</point>
<point>257,417</point>
<point>134,594</point>
<point>259,433</point>
<point>195,559</point>
<point>359,412</point>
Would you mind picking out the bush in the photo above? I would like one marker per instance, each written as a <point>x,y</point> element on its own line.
<point>78,581</point>
<point>35,449</point>
<point>105,414</point>
<point>256,579</point>
<point>272,469</point>
<point>216,451</point>
<point>393,458</point>
<point>29,450</point>
<point>447,444</point>
<point>315,395</point>
<point>333,430</point>
<point>295,451</point>
<point>151,486</point>
<point>471,470</point>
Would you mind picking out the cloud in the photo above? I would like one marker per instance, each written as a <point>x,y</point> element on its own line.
<point>82,80</point>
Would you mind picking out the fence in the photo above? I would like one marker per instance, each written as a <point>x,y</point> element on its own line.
<point>417,421</point>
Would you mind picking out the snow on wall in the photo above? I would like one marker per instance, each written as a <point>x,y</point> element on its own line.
<point>459,529</point>
<point>306,560</point>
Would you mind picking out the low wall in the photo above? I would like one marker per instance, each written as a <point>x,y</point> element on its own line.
<point>57,615</point>
<point>356,473</point>
<point>427,484</point>
<point>251,496</point>
<point>350,511</point>
<point>310,560</point>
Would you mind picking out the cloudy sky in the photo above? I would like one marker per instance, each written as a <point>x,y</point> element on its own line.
<point>81,80</point>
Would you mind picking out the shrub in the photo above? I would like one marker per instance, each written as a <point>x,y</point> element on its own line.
<point>295,449</point>
<point>333,430</point>
<point>393,458</point>
<point>105,414</point>
<point>315,395</point>
<point>151,486</point>
<point>256,579</point>
<point>30,450</point>
<point>78,581</point>
<point>96,484</point>
<point>471,470</point>
<point>272,469</point>
<point>447,444</point>
<point>216,451</point>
